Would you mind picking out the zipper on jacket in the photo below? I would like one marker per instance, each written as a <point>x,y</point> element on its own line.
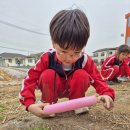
<point>66,75</point>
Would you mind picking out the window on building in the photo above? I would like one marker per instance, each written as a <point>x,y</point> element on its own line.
<point>95,55</point>
<point>102,54</point>
<point>110,53</point>
<point>128,41</point>
<point>102,60</point>
<point>16,60</point>
<point>30,60</point>
<point>96,61</point>
<point>21,61</point>
<point>10,60</point>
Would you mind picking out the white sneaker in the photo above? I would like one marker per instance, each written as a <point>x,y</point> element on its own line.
<point>123,79</point>
<point>81,110</point>
<point>52,115</point>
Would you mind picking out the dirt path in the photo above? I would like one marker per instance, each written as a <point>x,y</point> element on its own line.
<point>14,117</point>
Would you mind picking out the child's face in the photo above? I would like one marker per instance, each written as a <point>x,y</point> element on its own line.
<point>68,56</point>
<point>129,55</point>
<point>123,56</point>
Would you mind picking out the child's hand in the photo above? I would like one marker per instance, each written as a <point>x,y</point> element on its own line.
<point>107,101</point>
<point>37,109</point>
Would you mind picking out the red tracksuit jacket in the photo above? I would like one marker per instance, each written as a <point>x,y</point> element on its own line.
<point>112,68</point>
<point>128,61</point>
<point>47,61</point>
<point>127,68</point>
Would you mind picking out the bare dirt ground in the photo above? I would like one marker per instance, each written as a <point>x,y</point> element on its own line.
<point>14,117</point>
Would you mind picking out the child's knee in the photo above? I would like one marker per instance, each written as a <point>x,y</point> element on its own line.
<point>81,78</point>
<point>80,74</point>
<point>46,78</point>
<point>116,69</point>
<point>49,73</point>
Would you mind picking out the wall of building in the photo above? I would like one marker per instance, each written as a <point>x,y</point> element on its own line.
<point>17,62</point>
<point>127,36</point>
<point>100,56</point>
<point>29,61</point>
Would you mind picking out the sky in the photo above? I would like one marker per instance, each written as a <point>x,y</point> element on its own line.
<point>24,24</point>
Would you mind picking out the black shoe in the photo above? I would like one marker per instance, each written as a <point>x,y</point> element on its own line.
<point>109,82</point>
<point>115,80</point>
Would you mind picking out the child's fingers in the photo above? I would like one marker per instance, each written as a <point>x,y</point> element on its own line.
<point>41,111</point>
<point>107,102</point>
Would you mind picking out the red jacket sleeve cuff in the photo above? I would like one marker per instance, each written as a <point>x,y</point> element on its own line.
<point>112,95</point>
<point>27,103</point>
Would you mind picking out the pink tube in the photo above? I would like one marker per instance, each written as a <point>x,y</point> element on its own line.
<point>70,105</point>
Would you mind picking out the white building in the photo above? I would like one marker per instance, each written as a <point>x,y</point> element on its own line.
<point>100,55</point>
<point>13,59</point>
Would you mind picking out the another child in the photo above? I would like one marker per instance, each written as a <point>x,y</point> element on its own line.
<point>66,71</point>
<point>114,67</point>
<point>126,71</point>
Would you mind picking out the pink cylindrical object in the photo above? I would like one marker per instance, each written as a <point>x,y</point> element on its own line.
<point>70,105</point>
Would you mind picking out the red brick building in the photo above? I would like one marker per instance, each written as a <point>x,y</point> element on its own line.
<point>127,36</point>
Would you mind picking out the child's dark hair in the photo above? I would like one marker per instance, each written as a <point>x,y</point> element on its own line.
<point>123,48</point>
<point>70,29</point>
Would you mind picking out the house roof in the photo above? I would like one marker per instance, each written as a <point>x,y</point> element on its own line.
<point>12,55</point>
<point>37,55</point>
<point>105,49</point>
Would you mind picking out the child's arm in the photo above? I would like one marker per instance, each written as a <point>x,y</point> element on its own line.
<point>99,84</point>
<point>27,93</point>
<point>126,64</point>
<point>108,63</point>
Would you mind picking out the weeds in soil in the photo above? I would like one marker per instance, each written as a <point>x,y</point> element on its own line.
<point>38,128</point>
<point>2,108</point>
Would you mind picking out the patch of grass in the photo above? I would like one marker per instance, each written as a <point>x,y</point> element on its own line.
<point>1,118</point>
<point>2,108</point>
<point>22,111</point>
<point>39,128</point>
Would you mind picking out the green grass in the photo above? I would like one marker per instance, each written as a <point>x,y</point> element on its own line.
<point>1,118</point>
<point>39,128</point>
<point>2,108</point>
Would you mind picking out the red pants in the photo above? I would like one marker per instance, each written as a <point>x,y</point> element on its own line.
<point>113,72</point>
<point>74,87</point>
